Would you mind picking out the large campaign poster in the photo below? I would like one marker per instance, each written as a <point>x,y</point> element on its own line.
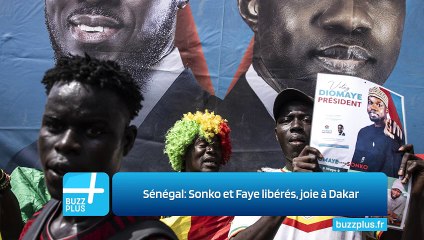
<point>231,57</point>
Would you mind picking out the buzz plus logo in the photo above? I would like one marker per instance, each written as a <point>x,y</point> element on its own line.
<point>85,194</point>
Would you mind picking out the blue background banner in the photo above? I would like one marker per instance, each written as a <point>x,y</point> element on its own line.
<point>224,42</point>
<point>132,194</point>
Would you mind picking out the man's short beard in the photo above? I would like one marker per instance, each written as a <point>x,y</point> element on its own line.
<point>377,120</point>
<point>138,60</point>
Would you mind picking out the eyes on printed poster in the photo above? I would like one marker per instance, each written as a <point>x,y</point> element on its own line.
<point>231,57</point>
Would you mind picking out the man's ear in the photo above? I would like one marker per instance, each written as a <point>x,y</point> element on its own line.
<point>249,12</point>
<point>129,138</point>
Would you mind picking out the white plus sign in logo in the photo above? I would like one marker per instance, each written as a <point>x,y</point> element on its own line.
<point>79,190</point>
<point>90,190</point>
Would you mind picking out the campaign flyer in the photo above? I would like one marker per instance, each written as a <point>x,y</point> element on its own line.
<point>359,126</point>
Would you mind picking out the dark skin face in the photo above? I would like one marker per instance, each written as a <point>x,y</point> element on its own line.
<point>395,193</point>
<point>293,128</point>
<point>203,156</point>
<point>340,128</point>
<point>293,131</point>
<point>84,129</point>
<point>376,111</point>
<point>135,33</point>
<point>295,40</point>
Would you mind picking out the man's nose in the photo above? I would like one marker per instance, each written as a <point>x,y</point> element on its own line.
<point>211,149</point>
<point>346,16</point>
<point>374,107</point>
<point>296,125</point>
<point>68,143</point>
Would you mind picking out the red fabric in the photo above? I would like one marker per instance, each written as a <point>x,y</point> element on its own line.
<point>224,136</point>
<point>215,228</point>
<point>244,64</point>
<point>106,228</point>
<point>27,225</point>
<point>308,227</point>
<point>392,109</point>
<point>119,222</point>
<point>188,42</point>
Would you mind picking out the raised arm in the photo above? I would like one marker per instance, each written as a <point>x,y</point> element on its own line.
<point>413,166</point>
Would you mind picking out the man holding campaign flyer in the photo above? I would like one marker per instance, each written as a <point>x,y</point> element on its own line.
<point>293,117</point>
<point>293,114</point>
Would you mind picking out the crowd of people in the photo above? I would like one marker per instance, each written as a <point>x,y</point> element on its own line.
<point>94,117</point>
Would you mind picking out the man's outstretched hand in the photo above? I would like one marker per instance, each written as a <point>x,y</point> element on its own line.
<point>412,166</point>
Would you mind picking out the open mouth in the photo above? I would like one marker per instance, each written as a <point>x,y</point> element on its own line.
<point>297,140</point>
<point>343,59</point>
<point>210,162</point>
<point>56,166</point>
<point>373,114</point>
<point>89,28</point>
<point>54,174</point>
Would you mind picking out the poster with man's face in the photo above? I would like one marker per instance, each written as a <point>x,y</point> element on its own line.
<point>358,125</point>
<point>398,196</point>
<point>231,57</point>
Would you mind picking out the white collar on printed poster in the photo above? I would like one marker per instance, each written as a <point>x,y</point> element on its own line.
<point>163,75</point>
<point>264,92</point>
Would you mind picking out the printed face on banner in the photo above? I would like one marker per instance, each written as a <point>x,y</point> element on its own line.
<point>340,128</point>
<point>293,128</point>
<point>395,193</point>
<point>203,156</point>
<point>83,130</point>
<point>296,40</point>
<point>397,203</point>
<point>376,110</point>
<point>374,121</point>
<point>134,33</point>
